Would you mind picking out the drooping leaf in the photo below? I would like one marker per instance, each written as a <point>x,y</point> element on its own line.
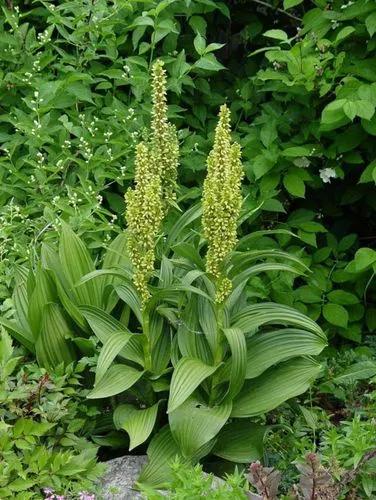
<point>240,441</point>
<point>117,379</point>
<point>262,268</point>
<point>188,375</point>
<point>194,423</point>
<point>137,423</point>
<point>111,348</point>
<point>104,326</point>
<point>23,337</point>
<point>273,387</point>
<point>267,349</point>
<point>128,293</point>
<point>252,317</point>
<point>161,451</point>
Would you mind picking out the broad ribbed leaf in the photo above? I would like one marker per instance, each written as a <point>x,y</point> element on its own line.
<point>238,346</point>
<point>208,322</point>
<point>166,273</point>
<point>194,423</point>
<point>187,218</point>
<point>104,326</point>
<point>23,337</point>
<point>53,345</point>
<point>275,386</point>
<point>261,268</point>
<point>115,257</point>
<point>239,260</point>
<point>188,375</point>
<point>109,351</point>
<point>246,242</point>
<point>252,317</point>
<point>137,423</point>
<point>66,292</point>
<point>44,292</point>
<point>240,441</point>
<point>117,379</point>
<point>161,452</point>
<point>76,263</point>
<point>128,293</point>
<point>268,349</point>
<point>189,252</point>
<point>21,304</point>
<point>161,353</point>
<point>192,344</point>
<point>169,294</point>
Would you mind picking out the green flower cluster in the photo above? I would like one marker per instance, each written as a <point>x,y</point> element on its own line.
<point>155,182</point>
<point>222,201</point>
<point>144,217</point>
<point>164,140</point>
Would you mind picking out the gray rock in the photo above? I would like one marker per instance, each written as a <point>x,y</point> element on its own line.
<point>121,474</point>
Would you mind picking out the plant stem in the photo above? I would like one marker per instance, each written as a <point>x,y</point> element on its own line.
<point>147,342</point>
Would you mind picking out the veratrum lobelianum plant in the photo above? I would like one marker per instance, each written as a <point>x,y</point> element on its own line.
<point>187,357</point>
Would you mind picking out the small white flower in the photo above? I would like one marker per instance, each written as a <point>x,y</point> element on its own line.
<point>327,173</point>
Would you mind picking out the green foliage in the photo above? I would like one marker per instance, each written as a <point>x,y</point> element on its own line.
<point>43,429</point>
<point>178,342</point>
<point>191,483</point>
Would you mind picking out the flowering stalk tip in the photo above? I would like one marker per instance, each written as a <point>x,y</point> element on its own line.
<point>222,200</point>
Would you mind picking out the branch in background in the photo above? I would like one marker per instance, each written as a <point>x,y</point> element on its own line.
<point>277,9</point>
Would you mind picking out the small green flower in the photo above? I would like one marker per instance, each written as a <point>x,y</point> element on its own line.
<point>222,201</point>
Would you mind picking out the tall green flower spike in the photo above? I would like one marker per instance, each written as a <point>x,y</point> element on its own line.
<point>155,182</point>
<point>164,140</point>
<point>144,217</point>
<point>222,201</point>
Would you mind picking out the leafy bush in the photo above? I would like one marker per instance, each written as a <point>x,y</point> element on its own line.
<point>43,441</point>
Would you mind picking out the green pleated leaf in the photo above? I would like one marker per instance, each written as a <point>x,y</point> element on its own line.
<point>240,441</point>
<point>247,241</point>
<point>194,423</point>
<point>166,273</point>
<point>252,317</point>
<point>21,304</point>
<point>241,260</point>
<point>54,345</point>
<point>275,386</point>
<point>175,233</point>
<point>137,423</point>
<point>161,353</point>
<point>76,263</point>
<point>161,452</point>
<point>188,375</point>
<point>44,292</point>
<point>208,322</point>
<point>238,346</point>
<point>128,293</point>
<point>189,252</point>
<point>24,337</point>
<point>117,379</point>
<point>66,292</point>
<point>265,267</point>
<point>268,349</point>
<point>116,256</point>
<point>109,351</point>
<point>104,326</point>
